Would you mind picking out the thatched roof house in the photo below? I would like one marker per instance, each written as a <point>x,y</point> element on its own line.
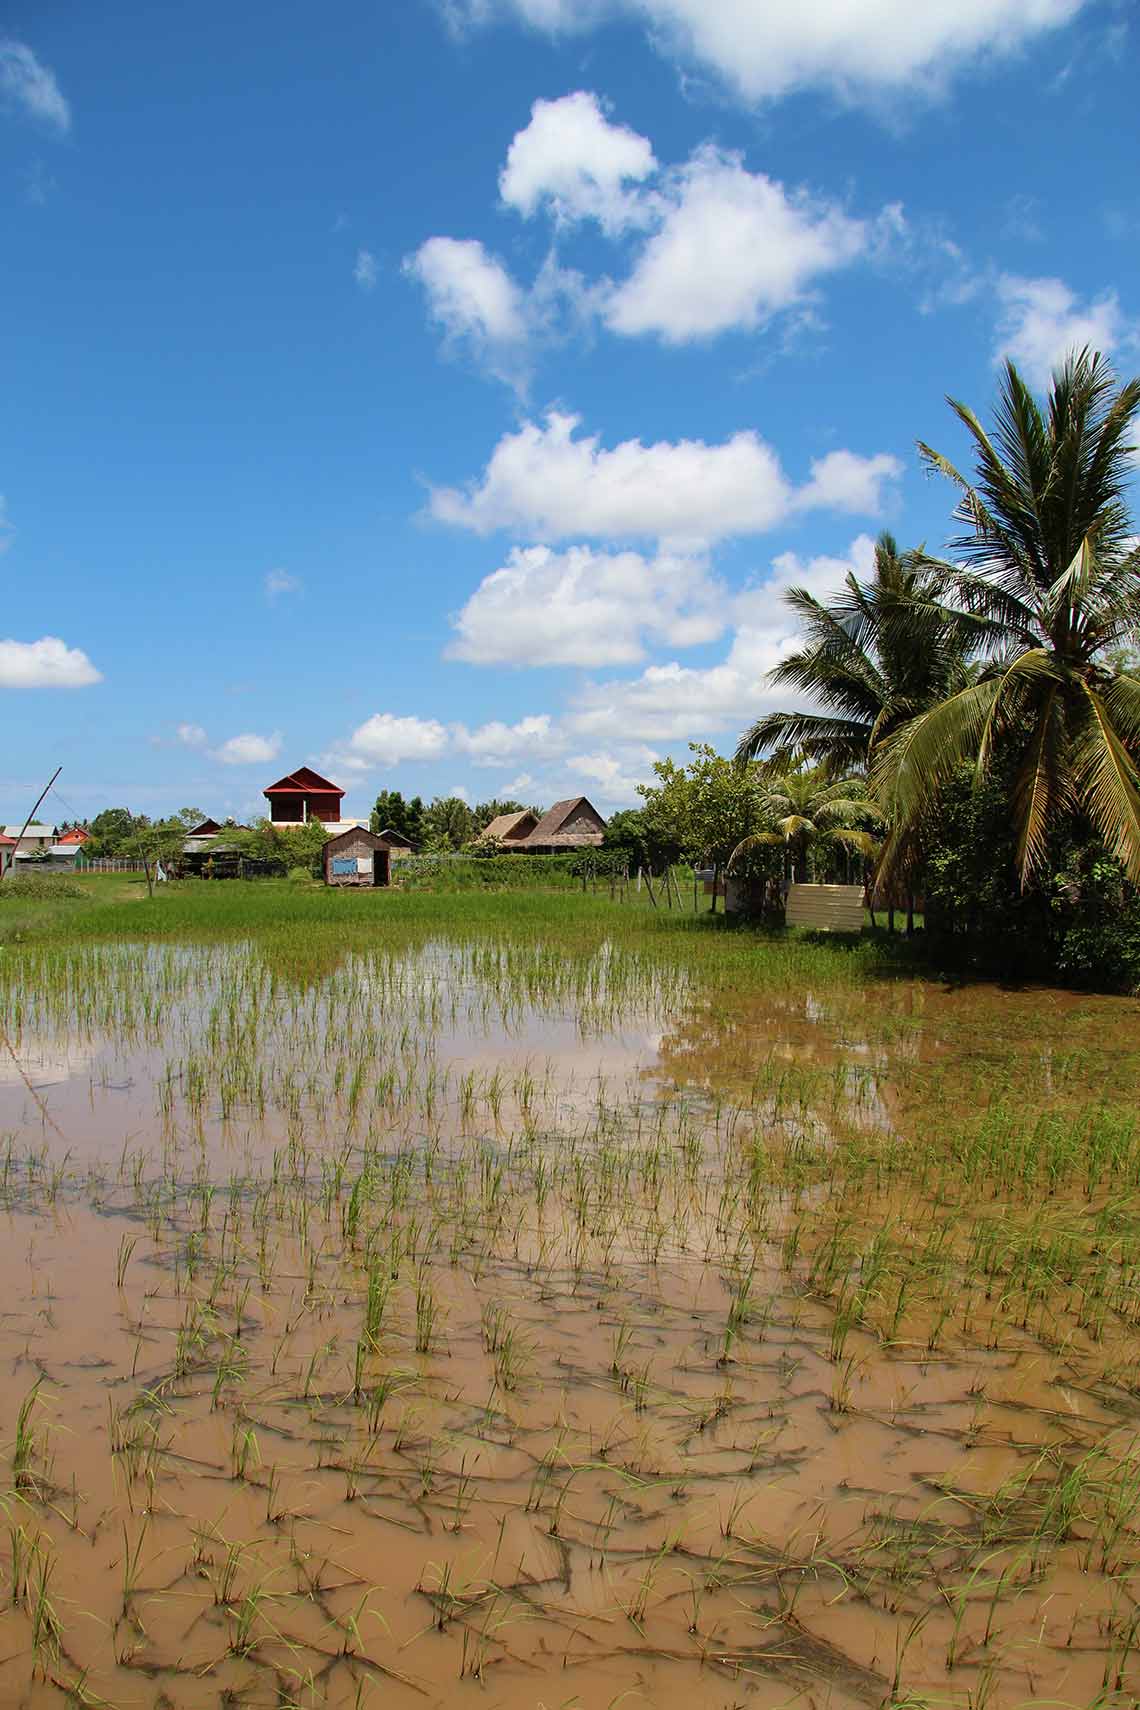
<point>572,824</point>
<point>511,827</point>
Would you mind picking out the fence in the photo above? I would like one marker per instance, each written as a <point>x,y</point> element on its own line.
<point>108,864</point>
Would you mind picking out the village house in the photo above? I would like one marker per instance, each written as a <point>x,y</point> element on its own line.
<point>36,840</point>
<point>511,829</point>
<point>356,858</point>
<point>304,795</point>
<point>571,824</point>
<point>7,850</point>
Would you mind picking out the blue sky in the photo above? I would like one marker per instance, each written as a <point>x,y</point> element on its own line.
<point>442,394</point>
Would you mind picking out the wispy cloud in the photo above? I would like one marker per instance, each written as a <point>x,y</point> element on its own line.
<point>191,735</point>
<point>365,271</point>
<point>29,87</point>
<point>278,582</point>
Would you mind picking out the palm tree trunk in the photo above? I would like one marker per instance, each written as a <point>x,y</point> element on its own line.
<point>716,875</point>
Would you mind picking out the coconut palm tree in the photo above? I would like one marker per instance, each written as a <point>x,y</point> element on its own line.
<point>879,652</point>
<point>1047,566</point>
<point>809,810</point>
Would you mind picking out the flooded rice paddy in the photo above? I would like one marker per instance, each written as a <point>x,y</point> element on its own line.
<point>506,1324</point>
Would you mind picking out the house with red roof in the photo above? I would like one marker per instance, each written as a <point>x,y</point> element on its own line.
<point>304,795</point>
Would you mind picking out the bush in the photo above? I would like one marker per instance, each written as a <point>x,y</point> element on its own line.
<point>1080,924</point>
<point>39,887</point>
<point>300,876</point>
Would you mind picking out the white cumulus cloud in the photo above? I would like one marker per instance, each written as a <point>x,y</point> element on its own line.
<point>1042,320</point>
<point>571,159</point>
<point>470,292</point>
<point>586,607</point>
<point>674,702</point>
<point>764,49</point>
<point>45,664</point>
<point>386,739</point>
<point>615,777</point>
<point>734,248</point>
<point>546,482</point>
<point>533,738</point>
<point>31,87</point>
<point>249,749</point>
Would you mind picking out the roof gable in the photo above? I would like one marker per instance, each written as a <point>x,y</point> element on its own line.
<point>552,822</point>
<point>395,838</point>
<point>357,832</point>
<point>304,781</point>
<point>511,825</point>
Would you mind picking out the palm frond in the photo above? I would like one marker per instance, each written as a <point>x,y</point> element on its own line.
<point>1106,780</point>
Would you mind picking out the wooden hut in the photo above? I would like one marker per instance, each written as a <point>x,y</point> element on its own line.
<point>357,859</point>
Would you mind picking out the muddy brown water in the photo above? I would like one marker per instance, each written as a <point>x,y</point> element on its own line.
<point>454,1330</point>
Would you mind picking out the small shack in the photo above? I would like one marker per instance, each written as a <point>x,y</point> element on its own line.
<point>357,858</point>
<point>398,845</point>
<point>7,851</point>
<point>826,908</point>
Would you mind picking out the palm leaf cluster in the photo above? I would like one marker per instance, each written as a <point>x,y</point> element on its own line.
<point>1004,652</point>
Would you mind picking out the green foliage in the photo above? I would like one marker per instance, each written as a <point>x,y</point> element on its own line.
<point>707,809</point>
<point>281,847</point>
<point>642,840</point>
<point>111,829</point>
<point>1048,568</point>
<point>825,827</point>
<point>448,825</point>
<point>38,887</point>
<point>1079,923</point>
<point>391,812</point>
<point>876,653</point>
<point>485,812</point>
<point>440,872</point>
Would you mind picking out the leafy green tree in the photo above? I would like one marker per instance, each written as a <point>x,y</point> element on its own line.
<point>708,809</point>
<point>110,829</point>
<point>392,813</point>
<point>448,825</point>
<point>157,841</point>
<point>633,833</point>
<point>813,815</point>
<point>876,654</point>
<point>1048,566</point>
<point>189,817</point>
<point>281,847</point>
<point>484,812</point>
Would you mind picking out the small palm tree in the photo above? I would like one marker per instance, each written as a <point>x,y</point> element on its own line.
<point>879,652</point>
<point>1049,571</point>
<point>808,811</point>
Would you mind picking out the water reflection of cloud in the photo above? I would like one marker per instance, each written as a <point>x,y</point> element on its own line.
<point>45,1062</point>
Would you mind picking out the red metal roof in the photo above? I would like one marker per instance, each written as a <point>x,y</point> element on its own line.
<point>303,782</point>
<point>10,841</point>
<point>78,834</point>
